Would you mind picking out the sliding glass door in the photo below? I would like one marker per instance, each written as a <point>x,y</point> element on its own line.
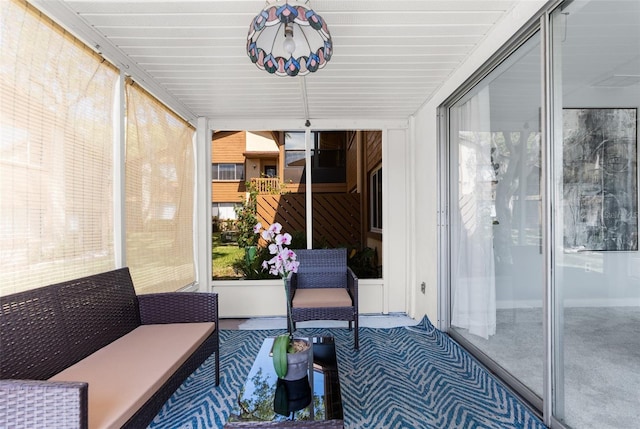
<point>496,265</point>
<point>543,258</point>
<point>596,75</point>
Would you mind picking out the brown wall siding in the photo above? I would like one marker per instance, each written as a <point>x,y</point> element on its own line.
<point>373,149</point>
<point>228,192</point>
<point>228,147</point>
<point>373,158</point>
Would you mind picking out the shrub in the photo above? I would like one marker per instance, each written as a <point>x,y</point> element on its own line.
<point>247,217</point>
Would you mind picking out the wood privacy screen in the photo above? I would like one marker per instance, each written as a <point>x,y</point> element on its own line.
<point>336,217</point>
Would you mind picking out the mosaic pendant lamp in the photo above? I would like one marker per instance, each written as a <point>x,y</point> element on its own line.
<point>288,38</point>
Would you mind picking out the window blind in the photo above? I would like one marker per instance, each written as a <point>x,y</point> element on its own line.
<point>159,188</point>
<point>56,153</point>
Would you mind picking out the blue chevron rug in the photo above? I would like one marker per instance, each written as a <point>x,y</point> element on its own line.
<point>406,377</point>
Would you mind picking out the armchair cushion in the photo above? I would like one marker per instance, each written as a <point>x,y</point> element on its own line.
<point>324,288</point>
<point>322,297</point>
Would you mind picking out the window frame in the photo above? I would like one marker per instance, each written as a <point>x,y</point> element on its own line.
<point>375,200</point>
<point>238,170</point>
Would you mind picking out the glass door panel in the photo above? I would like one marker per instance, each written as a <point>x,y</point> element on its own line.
<point>596,58</point>
<point>496,260</point>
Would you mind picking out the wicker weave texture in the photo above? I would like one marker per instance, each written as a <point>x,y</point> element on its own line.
<point>325,268</point>
<point>322,268</point>
<point>45,330</point>
<point>184,307</point>
<point>40,404</point>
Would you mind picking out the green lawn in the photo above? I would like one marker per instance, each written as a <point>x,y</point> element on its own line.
<point>223,257</point>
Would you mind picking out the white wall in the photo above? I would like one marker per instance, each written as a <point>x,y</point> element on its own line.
<point>395,221</point>
<point>426,206</point>
<point>265,298</point>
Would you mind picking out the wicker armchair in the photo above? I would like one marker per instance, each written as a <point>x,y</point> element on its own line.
<point>324,288</point>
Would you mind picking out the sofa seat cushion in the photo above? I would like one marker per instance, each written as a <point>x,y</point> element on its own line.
<point>322,297</point>
<point>123,375</point>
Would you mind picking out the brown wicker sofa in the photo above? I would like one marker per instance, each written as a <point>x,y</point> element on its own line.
<point>90,353</point>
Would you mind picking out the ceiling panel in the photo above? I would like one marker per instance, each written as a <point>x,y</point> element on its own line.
<point>389,56</point>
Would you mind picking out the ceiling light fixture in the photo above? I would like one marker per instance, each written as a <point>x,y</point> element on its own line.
<point>287,38</point>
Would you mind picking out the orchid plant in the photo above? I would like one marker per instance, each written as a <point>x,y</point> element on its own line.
<point>283,262</point>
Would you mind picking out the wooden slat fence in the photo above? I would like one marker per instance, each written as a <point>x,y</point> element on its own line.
<point>336,217</point>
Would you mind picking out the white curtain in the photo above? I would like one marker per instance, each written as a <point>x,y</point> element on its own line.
<point>473,189</point>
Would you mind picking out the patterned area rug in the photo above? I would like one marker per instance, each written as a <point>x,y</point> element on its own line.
<point>406,377</point>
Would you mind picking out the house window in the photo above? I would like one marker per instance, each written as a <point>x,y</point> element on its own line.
<point>227,171</point>
<point>224,211</point>
<point>294,149</point>
<point>328,156</point>
<point>270,171</point>
<point>375,199</point>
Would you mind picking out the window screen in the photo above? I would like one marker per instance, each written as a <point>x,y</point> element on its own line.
<point>159,188</point>
<point>56,150</point>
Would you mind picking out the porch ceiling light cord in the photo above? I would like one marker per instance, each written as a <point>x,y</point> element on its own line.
<point>287,38</point>
<point>305,98</point>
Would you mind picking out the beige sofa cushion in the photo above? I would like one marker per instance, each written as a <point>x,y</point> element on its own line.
<point>125,374</point>
<point>322,297</point>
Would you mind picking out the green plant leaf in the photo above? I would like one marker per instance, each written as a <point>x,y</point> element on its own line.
<point>280,345</point>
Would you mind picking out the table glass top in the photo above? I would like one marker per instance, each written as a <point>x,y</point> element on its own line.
<point>265,397</point>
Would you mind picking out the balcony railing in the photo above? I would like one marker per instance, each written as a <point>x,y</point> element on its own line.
<point>266,185</point>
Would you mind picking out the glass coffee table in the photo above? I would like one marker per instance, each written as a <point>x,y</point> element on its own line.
<point>266,398</point>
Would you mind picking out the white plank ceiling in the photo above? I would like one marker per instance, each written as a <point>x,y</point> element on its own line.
<point>389,56</point>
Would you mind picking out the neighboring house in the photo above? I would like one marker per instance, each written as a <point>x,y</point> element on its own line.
<point>346,163</point>
<point>238,157</point>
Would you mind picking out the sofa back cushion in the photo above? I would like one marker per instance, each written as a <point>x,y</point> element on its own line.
<point>45,330</point>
